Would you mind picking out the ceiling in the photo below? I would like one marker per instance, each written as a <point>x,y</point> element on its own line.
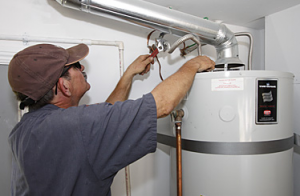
<point>248,13</point>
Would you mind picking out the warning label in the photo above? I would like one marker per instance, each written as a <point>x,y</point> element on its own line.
<point>227,84</point>
<point>266,112</point>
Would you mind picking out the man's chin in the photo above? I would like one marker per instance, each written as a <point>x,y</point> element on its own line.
<point>88,86</point>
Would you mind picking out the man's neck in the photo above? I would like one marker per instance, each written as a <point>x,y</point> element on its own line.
<point>64,102</point>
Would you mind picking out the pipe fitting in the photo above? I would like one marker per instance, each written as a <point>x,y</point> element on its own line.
<point>178,115</point>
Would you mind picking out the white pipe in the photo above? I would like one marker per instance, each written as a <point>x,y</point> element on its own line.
<point>25,38</point>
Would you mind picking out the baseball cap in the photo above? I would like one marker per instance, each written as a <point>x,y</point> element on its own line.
<point>36,69</point>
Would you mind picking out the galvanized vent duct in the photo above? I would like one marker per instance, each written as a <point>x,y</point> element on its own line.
<point>165,20</point>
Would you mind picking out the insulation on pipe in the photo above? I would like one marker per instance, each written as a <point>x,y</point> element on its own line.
<point>183,39</point>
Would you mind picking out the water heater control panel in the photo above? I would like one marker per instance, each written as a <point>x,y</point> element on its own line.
<point>266,101</point>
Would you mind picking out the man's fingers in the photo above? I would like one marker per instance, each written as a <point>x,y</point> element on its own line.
<point>148,60</point>
<point>146,70</point>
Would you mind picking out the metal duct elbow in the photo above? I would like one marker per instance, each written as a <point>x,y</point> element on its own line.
<point>227,48</point>
<point>156,17</point>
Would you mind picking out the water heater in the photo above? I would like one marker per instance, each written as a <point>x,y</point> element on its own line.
<point>237,135</point>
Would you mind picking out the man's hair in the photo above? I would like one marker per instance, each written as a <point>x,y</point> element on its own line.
<point>46,99</point>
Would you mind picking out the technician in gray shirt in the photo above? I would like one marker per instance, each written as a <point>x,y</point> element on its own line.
<point>60,148</point>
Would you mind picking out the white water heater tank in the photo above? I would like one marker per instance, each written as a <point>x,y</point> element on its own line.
<point>237,135</point>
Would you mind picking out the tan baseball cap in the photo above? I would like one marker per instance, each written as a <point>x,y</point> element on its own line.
<point>36,69</point>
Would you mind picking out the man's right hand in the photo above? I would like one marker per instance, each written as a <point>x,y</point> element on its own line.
<point>203,63</point>
<point>140,65</point>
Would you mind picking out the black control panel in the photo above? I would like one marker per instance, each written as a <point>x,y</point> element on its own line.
<point>266,111</point>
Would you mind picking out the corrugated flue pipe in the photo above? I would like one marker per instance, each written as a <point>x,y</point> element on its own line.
<point>166,20</point>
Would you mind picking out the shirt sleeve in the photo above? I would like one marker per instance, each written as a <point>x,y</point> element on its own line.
<point>117,135</point>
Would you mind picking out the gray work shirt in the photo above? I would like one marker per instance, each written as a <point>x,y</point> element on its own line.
<point>78,151</point>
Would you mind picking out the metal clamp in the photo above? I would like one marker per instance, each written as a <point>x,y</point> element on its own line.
<point>162,44</point>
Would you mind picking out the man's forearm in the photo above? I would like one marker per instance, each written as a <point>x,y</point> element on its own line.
<point>121,92</point>
<point>140,66</point>
<point>170,92</point>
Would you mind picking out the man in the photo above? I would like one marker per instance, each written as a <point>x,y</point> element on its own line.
<point>60,148</point>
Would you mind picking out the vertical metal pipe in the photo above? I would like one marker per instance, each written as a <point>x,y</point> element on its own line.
<point>250,52</point>
<point>250,47</point>
<point>178,114</point>
<point>127,179</point>
<point>179,159</point>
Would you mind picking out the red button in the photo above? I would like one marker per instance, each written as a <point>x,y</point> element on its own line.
<point>267,112</point>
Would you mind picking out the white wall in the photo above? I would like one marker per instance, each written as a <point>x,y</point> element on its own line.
<point>282,53</point>
<point>46,18</point>
<point>8,118</point>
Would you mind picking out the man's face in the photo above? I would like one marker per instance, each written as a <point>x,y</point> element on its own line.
<point>79,84</point>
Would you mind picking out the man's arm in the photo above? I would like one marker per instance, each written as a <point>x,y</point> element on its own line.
<point>140,66</point>
<point>170,92</point>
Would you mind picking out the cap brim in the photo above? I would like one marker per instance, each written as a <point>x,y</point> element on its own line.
<point>77,53</point>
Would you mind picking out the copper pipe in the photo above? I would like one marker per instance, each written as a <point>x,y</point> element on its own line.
<point>178,114</point>
<point>179,159</point>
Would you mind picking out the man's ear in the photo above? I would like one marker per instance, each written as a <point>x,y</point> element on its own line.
<point>64,86</point>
